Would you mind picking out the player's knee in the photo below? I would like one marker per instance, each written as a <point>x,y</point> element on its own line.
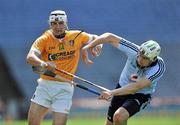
<point>118,117</point>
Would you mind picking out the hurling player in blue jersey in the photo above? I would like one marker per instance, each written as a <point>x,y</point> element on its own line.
<point>138,80</point>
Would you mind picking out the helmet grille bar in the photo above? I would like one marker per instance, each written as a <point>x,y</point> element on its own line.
<point>57,14</point>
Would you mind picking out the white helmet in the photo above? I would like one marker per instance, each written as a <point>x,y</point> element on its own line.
<point>58,15</point>
<point>150,49</point>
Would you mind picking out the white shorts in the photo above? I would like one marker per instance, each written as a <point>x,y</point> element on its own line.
<point>53,94</point>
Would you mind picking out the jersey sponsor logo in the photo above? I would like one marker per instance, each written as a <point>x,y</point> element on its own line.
<point>71,42</point>
<point>134,77</point>
<point>62,55</point>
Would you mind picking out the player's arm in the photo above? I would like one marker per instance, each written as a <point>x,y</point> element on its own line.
<point>128,89</point>
<point>132,87</point>
<point>152,75</point>
<point>104,38</point>
<point>96,50</point>
<point>33,58</point>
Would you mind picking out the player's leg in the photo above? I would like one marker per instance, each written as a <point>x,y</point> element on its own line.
<point>40,104</point>
<point>116,102</point>
<point>59,118</point>
<point>61,103</point>
<point>120,116</point>
<point>36,114</point>
<point>114,112</point>
<point>130,107</point>
<point>108,122</point>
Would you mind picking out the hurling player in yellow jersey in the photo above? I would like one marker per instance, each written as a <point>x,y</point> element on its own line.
<point>57,48</point>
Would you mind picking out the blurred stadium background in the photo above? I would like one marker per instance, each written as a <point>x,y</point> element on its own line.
<point>22,21</point>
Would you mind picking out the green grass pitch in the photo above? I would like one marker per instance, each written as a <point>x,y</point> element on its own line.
<point>100,121</point>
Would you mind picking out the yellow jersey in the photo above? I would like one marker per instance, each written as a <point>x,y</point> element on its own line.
<point>65,52</point>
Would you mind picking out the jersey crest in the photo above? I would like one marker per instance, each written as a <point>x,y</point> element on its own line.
<point>71,42</point>
<point>61,46</point>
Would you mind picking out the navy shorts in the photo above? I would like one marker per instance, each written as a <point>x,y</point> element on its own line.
<point>132,103</point>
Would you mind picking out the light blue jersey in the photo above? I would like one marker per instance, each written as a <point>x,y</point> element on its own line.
<point>154,72</point>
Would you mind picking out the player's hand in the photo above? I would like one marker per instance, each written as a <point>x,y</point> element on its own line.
<point>48,65</point>
<point>96,51</point>
<point>51,66</point>
<point>85,57</point>
<point>106,95</point>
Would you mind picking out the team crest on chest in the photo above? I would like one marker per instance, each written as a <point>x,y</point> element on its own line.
<point>71,42</point>
<point>61,46</point>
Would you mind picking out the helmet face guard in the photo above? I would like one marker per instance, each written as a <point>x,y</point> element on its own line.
<point>141,53</point>
<point>150,50</point>
<point>58,16</point>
